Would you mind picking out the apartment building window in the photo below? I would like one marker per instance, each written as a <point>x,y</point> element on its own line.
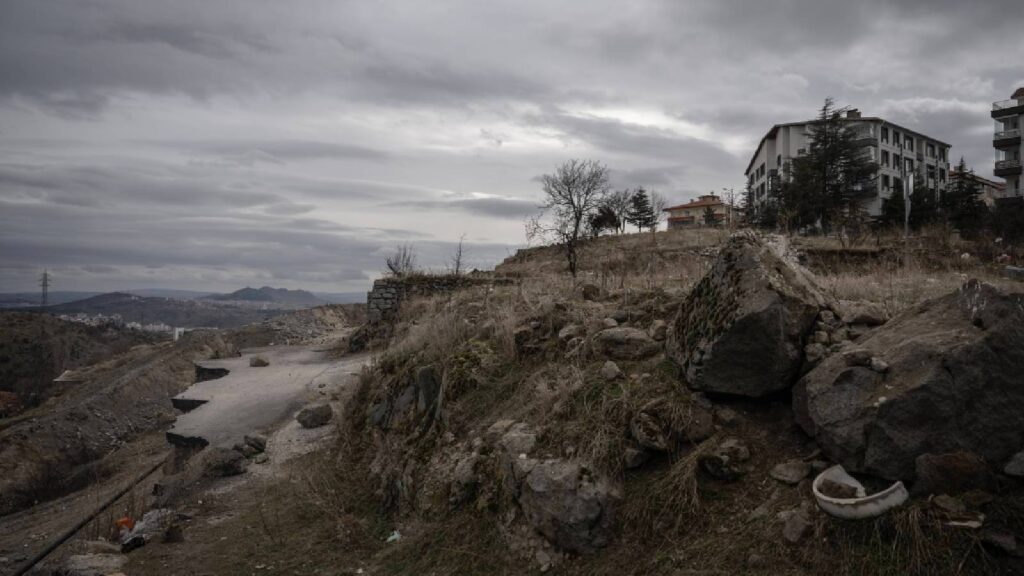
<point>910,165</point>
<point>910,143</point>
<point>897,184</point>
<point>896,162</point>
<point>778,161</point>
<point>885,181</point>
<point>895,138</point>
<point>885,157</point>
<point>885,135</point>
<point>801,152</point>
<point>931,151</point>
<point>942,154</point>
<point>942,174</point>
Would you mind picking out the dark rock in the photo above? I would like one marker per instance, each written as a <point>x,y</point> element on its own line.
<point>568,506</point>
<point>590,292</point>
<point>658,330</point>
<point>219,462</point>
<point>860,312</point>
<point>609,323</point>
<point>245,450</point>
<point>1002,541</point>
<point>743,328</point>
<point>726,462</point>
<point>428,388</point>
<point>634,457</point>
<point>952,473</point>
<point>625,344</point>
<point>257,441</point>
<point>796,527</point>
<point>315,416</point>
<point>1015,467</point>
<point>857,357</point>
<point>620,316</point>
<point>953,383</point>
<point>258,362</point>
<point>610,371</point>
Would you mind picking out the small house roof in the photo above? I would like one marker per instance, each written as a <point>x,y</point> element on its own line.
<point>698,203</point>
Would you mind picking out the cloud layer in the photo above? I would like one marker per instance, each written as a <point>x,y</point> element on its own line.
<point>210,145</point>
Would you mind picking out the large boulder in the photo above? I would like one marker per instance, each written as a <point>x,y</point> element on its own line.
<point>572,509</point>
<point>742,329</point>
<point>953,383</point>
<point>315,416</point>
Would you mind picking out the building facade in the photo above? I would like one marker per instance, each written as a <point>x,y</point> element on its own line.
<point>991,192</point>
<point>898,151</point>
<point>694,214</point>
<point>1008,116</point>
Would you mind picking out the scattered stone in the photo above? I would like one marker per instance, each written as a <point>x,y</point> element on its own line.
<point>315,416</point>
<point>821,337</point>
<point>1015,467</point>
<point>861,312</point>
<point>94,564</point>
<point>726,462</point>
<point>257,441</point>
<point>796,527</point>
<point>220,462</point>
<point>570,331</point>
<point>568,506</point>
<point>620,316</point>
<point>261,458</point>
<point>658,330</point>
<point>856,331</point>
<point>952,473</point>
<point>951,505</point>
<point>625,344</point>
<point>245,450</point>
<point>590,292</point>
<point>953,382</point>
<point>519,439</point>
<point>791,472</point>
<point>814,352</point>
<point>258,362</point>
<point>610,370</point>
<point>727,416</point>
<point>839,335</point>
<point>879,365</point>
<point>857,357</point>
<point>610,323</point>
<point>1005,542</point>
<point>741,329</point>
<point>819,465</point>
<point>464,480</point>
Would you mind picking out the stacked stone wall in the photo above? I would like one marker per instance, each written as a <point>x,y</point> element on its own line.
<point>385,299</point>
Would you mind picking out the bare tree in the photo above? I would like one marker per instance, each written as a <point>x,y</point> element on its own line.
<point>618,202</point>
<point>657,210</point>
<point>402,262</point>
<point>456,261</point>
<point>572,194</point>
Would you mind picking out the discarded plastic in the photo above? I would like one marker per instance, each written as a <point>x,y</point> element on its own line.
<point>860,506</point>
<point>394,537</point>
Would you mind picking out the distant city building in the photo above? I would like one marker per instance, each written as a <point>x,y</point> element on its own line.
<point>1008,116</point>
<point>991,191</point>
<point>693,213</point>
<point>898,151</point>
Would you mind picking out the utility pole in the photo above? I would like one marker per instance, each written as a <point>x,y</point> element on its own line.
<point>44,282</point>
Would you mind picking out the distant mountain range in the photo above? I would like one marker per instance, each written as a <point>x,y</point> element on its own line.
<point>268,294</point>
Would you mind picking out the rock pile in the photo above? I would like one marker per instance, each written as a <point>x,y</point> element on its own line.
<point>941,377</point>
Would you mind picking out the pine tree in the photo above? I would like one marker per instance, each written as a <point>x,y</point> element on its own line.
<point>962,204</point>
<point>709,216</point>
<point>640,213</point>
<point>923,206</point>
<point>829,182</point>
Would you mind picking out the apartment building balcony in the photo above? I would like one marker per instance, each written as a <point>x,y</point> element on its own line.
<point>1006,168</point>
<point>1011,107</point>
<point>1006,138</point>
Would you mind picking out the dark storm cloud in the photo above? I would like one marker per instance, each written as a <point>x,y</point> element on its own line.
<point>263,139</point>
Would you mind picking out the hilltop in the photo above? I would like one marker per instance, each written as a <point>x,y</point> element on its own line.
<point>171,311</point>
<point>270,295</point>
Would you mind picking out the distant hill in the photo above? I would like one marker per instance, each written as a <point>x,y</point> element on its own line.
<point>172,311</point>
<point>272,295</point>
<point>30,299</point>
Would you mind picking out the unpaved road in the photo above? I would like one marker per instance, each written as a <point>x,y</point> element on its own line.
<point>255,399</point>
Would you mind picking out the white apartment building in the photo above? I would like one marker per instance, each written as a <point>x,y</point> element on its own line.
<point>898,151</point>
<point>1008,116</point>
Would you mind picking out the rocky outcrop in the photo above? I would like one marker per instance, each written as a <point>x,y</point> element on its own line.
<point>949,380</point>
<point>315,416</point>
<point>565,503</point>
<point>625,344</point>
<point>742,329</point>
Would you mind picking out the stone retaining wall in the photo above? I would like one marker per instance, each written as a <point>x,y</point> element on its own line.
<point>384,300</point>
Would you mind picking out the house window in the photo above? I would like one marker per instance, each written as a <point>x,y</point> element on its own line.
<point>885,135</point>
<point>885,157</point>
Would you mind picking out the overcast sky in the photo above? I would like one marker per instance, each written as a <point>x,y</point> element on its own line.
<point>212,145</point>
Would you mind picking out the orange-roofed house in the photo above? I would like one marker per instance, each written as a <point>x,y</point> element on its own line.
<point>693,214</point>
